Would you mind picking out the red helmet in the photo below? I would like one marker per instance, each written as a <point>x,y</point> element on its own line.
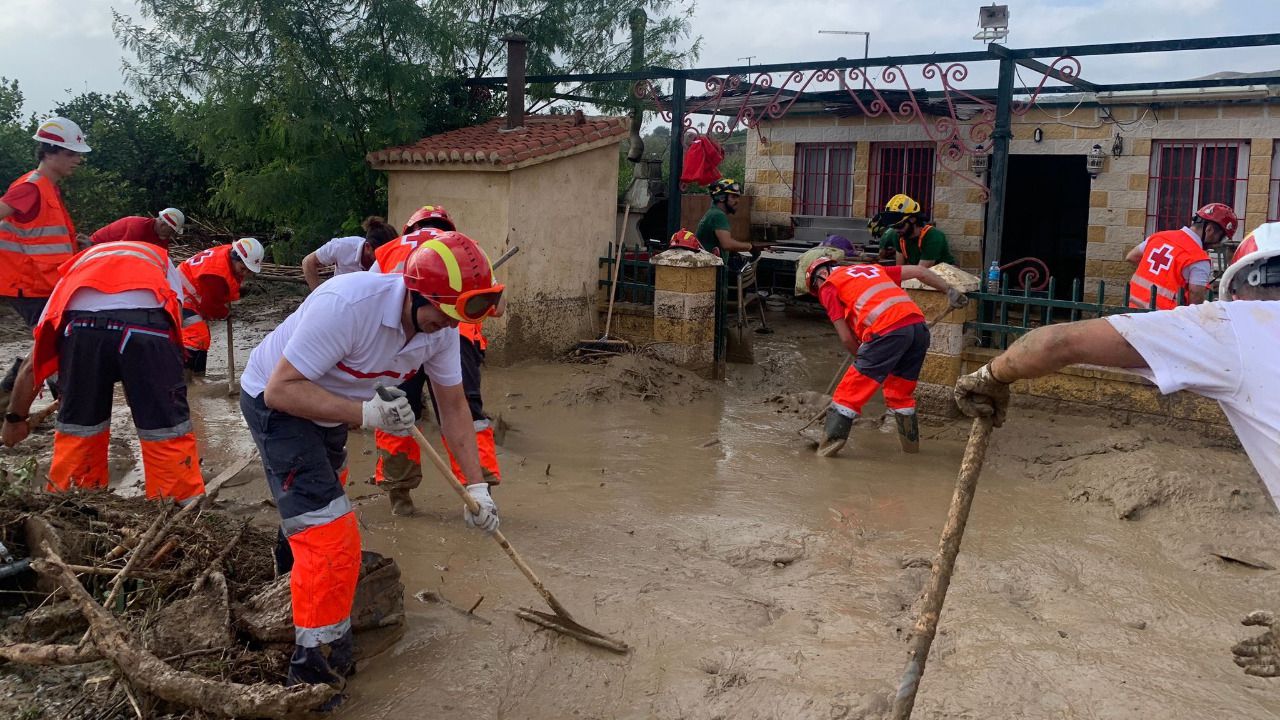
<point>813,269</point>
<point>430,212</point>
<point>1221,214</point>
<point>451,272</point>
<point>685,239</point>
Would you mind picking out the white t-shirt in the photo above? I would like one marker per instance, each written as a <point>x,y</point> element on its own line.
<point>342,253</point>
<point>346,337</point>
<point>1196,274</point>
<point>88,299</point>
<point>1225,351</point>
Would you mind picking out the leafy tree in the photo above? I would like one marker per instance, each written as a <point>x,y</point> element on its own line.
<point>17,154</point>
<point>291,95</point>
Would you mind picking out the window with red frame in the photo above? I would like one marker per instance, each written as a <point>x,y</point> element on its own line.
<point>1273,199</point>
<point>824,180</point>
<point>1186,176</point>
<point>900,168</point>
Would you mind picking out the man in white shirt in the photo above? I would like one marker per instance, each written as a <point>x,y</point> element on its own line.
<point>347,254</point>
<point>1227,351</point>
<point>316,375</point>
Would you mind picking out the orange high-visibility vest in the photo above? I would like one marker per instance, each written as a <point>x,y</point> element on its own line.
<point>108,268</point>
<point>30,252</point>
<point>393,254</point>
<point>473,332</point>
<point>873,302</point>
<point>214,261</point>
<point>902,242</point>
<point>1162,267</point>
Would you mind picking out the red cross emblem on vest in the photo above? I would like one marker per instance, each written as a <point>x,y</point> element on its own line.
<point>864,271</point>
<point>1161,259</point>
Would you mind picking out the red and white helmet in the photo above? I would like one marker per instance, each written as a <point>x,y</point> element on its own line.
<point>430,212</point>
<point>250,252</point>
<point>1248,265</point>
<point>1223,215</point>
<point>686,240</point>
<point>174,218</point>
<point>62,132</point>
<point>450,271</point>
<point>813,268</point>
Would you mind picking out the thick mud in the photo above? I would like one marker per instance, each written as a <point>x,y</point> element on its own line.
<point>756,580</point>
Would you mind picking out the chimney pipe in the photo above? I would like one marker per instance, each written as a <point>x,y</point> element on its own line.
<point>517,51</point>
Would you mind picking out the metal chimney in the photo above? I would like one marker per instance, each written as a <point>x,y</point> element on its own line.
<point>517,51</point>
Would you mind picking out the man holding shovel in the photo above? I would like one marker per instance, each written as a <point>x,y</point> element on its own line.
<point>1227,350</point>
<point>316,375</point>
<point>880,325</point>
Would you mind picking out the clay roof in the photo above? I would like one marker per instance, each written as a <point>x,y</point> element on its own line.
<point>488,146</point>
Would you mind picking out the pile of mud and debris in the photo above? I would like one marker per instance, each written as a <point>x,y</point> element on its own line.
<point>123,607</point>
<point>632,376</point>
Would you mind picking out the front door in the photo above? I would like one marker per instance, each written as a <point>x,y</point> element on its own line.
<point>1046,216</point>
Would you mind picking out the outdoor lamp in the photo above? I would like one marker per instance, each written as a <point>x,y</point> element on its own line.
<point>978,161</point>
<point>1094,162</point>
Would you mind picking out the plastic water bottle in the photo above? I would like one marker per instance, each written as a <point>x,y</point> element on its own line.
<point>993,275</point>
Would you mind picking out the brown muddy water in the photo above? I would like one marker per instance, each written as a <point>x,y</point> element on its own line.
<point>756,580</point>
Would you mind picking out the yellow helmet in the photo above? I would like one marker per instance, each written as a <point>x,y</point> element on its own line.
<point>902,203</point>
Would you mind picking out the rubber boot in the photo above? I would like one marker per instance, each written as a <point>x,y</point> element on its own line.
<point>908,431</point>
<point>837,432</point>
<point>401,502</point>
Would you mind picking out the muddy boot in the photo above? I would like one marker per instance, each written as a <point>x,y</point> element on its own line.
<point>401,502</point>
<point>837,432</point>
<point>908,431</point>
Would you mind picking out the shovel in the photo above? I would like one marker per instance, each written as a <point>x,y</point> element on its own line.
<point>740,349</point>
<point>561,621</point>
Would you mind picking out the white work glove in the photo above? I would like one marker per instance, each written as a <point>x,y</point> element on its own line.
<point>389,410</point>
<point>956,298</point>
<point>487,518</point>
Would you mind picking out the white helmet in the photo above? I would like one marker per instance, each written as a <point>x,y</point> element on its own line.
<point>174,218</point>
<point>250,251</point>
<point>1250,261</point>
<point>61,132</point>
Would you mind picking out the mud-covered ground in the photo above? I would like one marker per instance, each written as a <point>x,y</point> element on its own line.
<point>755,580</point>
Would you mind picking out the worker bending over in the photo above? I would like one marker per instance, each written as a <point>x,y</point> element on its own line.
<point>157,231</point>
<point>348,254</point>
<point>1171,262</point>
<point>880,325</point>
<point>36,232</point>
<point>316,375</point>
<point>211,281</point>
<point>114,316</point>
<point>1227,350</point>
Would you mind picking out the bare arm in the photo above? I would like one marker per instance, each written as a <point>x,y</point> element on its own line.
<point>457,428</point>
<point>24,393</point>
<point>1053,347</point>
<point>922,273</point>
<point>1197,295</point>
<point>311,270</point>
<point>846,336</point>
<point>928,263</point>
<point>289,391</point>
<point>729,244</point>
<point>5,211</point>
<point>1134,255</point>
<point>899,258</point>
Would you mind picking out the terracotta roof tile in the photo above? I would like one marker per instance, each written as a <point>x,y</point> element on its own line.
<point>488,144</point>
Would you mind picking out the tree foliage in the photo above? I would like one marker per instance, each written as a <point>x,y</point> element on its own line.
<point>289,96</point>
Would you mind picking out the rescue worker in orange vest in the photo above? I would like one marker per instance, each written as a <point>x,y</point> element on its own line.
<point>880,325</point>
<point>158,231</point>
<point>114,316</point>
<point>913,240</point>
<point>399,467</point>
<point>1172,261</point>
<point>211,281</point>
<point>36,232</point>
<point>316,375</point>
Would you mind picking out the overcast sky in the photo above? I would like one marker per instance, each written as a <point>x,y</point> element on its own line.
<point>58,46</point>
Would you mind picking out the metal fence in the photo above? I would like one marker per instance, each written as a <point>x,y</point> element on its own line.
<point>635,277</point>
<point>1004,314</point>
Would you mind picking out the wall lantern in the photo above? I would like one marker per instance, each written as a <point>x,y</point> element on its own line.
<point>1094,161</point>
<point>978,161</point>
<point>1037,135</point>
<point>1117,146</point>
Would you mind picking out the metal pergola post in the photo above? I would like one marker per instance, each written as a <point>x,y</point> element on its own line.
<point>677,155</point>
<point>999,169</point>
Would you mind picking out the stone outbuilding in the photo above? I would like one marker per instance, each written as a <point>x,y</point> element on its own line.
<point>550,187</point>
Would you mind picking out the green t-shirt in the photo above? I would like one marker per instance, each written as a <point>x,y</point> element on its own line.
<point>933,247</point>
<point>714,220</point>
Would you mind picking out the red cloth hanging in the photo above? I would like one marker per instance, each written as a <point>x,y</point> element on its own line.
<point>702,162</point>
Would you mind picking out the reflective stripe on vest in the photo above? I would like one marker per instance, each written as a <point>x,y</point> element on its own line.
<point>1143,301</point>
<point>125,249</point>
<point>35,232</point>
<point>1162,266</point>
<point>868,293</point>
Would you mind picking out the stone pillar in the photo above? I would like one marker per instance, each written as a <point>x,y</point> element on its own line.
<point>944,362</point>
<point>684,309</point>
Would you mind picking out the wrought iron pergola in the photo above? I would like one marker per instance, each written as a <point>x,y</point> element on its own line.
<point>964,122</point>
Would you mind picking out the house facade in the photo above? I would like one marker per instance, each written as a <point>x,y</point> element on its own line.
<point>1163,156</point>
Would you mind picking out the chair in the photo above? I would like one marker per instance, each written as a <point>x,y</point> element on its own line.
<point>742,293</point>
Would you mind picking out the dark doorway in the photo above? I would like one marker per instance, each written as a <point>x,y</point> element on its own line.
<point>1047,215</point>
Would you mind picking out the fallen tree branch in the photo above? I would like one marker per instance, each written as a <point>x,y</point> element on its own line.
<point>38,654</point>
<point>221,557</point>
<point>148,673</point>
